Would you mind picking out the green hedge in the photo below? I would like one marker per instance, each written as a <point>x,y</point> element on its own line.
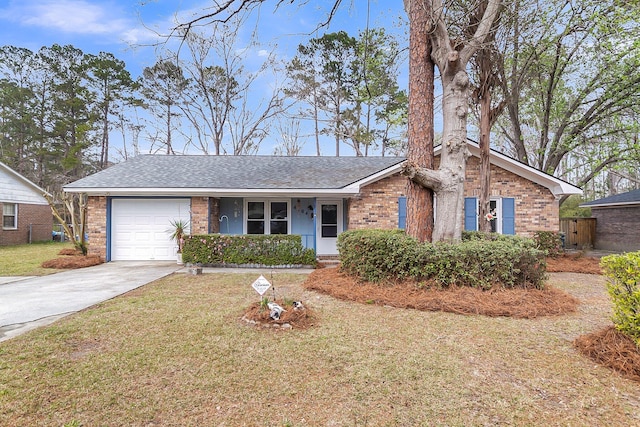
<point>550,242</point>
<point>623,272</point>
<point>225,249</point>
<point>481,261</point>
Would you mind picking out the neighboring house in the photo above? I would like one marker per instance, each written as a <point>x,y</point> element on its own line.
<point>617,221</point>
<point>132,203</point>
<point>26,215</point>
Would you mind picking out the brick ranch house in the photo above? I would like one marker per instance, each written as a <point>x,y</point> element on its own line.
<point>131,203</point>
<point>26,215</point>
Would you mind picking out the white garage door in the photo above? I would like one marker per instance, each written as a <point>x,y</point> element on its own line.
<point>140,228</point>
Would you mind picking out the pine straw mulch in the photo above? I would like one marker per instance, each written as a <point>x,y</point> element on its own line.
<point>71,259</point>
<point>613,349</point>
<point>291,318</point>
<point>517,303</point>
<point>574,263</point>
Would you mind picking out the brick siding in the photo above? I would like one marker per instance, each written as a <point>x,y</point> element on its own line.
<point>35,224</point>
<point>617,228</point>
<point>536,207</point>
<point>199,215</point>
<point>97,226</point>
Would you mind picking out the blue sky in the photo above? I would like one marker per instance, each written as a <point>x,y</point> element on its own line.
<point>128,28</point>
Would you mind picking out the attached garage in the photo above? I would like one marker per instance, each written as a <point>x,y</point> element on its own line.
<point>140,228</point>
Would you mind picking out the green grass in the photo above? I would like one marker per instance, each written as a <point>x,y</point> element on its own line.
<point>175,352</point>
<point>25,260</point>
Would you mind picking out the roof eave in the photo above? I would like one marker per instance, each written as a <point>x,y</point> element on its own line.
<point>24,180</point>
<point>213,192</point>
<point>392,170</point>
<point>610,205</point>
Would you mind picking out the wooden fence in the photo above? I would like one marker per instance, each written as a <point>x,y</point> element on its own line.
<point>580,233</point>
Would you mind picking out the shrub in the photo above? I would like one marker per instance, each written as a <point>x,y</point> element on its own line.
<point>376,255</point>
<point>223,249</point>
<point>623,272</point>
<point>550,242</point>
<point>481,260</point>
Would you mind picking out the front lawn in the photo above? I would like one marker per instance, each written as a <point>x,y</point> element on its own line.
<point>176,352</point>
<point>26,260</point>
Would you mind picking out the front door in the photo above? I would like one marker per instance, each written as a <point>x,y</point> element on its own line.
<point>328,226</point>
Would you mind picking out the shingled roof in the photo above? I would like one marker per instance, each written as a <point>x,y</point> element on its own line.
<point>241,173</point>
<point>629,198</point>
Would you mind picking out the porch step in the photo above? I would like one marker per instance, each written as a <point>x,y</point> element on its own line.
<point>329,260</point>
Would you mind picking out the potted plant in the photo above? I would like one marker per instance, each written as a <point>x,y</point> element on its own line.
<point>178,231</point>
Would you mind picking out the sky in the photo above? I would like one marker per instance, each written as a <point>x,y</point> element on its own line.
<point>129,29</point>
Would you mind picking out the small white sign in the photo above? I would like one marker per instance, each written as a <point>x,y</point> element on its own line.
<point>261,285</point>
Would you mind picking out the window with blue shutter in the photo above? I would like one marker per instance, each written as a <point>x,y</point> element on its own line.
<point>508,215</point>
<point>470,214</point>
<point>402,213</point>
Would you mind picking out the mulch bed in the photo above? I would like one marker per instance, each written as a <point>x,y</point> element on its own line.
<point>290,319</point>
<point>613,349</point>
<point>71,259</point>
<point>574,263</point>
<point>518,303</point>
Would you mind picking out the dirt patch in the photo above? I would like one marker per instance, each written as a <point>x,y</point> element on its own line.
<point>574,263</point>
<point>301,317</point>
<point>71,259</point>
<point>518,303</point>
<point>613,349</point>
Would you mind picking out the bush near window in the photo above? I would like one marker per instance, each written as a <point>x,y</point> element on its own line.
<point>480,260</point>
<point>267,250</point>
<point>623,272</point>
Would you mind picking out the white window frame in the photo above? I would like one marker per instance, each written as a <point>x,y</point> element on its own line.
<point>15,216</point>
<point>267,213</point>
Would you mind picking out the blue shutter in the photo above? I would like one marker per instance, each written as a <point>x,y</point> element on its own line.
<point>470,214</point>
<point>508,215</point>
<point>402,212</point>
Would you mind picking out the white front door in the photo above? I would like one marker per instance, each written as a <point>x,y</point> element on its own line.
<point>328,226</point>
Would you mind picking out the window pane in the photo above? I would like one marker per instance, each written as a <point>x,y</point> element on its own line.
<point>255,227</point>
<point>330,214</point>
<point>329,231</point>
<point>256,210</point>
<point>9,216</point>
<point>278,210</point>
<point>278,227</point>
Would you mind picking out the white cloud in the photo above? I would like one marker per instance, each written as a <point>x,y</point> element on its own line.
<point>68,16</point>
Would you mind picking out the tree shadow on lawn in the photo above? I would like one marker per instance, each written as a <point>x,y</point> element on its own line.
<point>608,347</point>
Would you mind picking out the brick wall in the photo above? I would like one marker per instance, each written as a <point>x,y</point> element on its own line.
<point>377,204</point>
<point>199,215</point>
<point>536,208</point>
<point>36,219</point>
<point>97,225</point>
<point>617,228</point>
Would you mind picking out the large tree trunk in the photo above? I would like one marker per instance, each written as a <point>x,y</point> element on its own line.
<point>454,152</point>
<point>420,132</point>
<point>448,181</point>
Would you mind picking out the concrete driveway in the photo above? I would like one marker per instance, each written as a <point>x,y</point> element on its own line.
<point>29,302</point>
